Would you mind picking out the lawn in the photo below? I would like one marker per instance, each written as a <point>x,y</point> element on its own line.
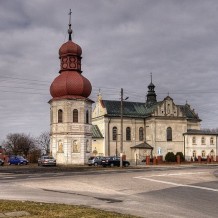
<point>45,210</point>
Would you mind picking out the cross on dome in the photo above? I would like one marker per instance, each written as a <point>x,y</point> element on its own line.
<point>70,31</point>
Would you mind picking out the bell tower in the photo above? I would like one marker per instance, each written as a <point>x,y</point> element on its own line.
<point>70,107</point>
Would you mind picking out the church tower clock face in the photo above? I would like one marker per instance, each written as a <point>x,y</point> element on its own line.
<point>71,109</point>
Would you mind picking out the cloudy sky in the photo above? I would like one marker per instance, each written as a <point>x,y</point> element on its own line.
<point>122,41</point>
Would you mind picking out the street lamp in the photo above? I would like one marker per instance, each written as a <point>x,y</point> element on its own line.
<point>121,134</point>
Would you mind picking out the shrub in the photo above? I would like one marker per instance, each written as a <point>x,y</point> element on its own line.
<point>182,158</point>
<point>170,157</point>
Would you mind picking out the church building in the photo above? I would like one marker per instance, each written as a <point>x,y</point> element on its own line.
<point>149,128</point>
<point>70,108</point>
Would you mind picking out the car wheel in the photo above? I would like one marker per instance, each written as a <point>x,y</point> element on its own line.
<point>112,165</point>
<point>95,164</point>
<point>126,165</point>
<point>9,163</point>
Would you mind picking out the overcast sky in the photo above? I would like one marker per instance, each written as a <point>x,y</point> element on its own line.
<point>122,42</point>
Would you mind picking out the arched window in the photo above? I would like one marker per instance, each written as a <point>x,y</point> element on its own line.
<point>128,134</point>
<point>169,134</point>
<point>75,116</point>
<point>114,133</point>
<point>60,116</point>
<point>194,154</point>
<point>141,134</point>
<point>193,140</point>
<point>87,116</point>
<point>203,154</point>
<point>202,140</point>
<point>211,141</point>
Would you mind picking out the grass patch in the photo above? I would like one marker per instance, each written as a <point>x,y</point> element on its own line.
<point>45,210</point>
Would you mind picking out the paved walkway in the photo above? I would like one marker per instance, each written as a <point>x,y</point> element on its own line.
<point>14,214</point>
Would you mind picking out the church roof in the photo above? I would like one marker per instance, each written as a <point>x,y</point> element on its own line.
<point>140,109</point>
<point>130,109</point>
<point>96,132</point>
<point>144,145</point>
<point>188,112</point>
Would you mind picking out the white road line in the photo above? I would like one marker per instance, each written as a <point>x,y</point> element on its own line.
<point>177,174</point>
<point>177,184</point>
<point>8,177</point>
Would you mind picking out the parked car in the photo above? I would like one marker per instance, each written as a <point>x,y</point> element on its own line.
<point>17,160</point>
<point>46,161</point>
<point>95,160</point>
<point>1,162</point>
<point>114,161</point>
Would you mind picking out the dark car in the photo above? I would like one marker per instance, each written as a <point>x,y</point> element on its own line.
<point>95,160</point>
<point>17,160</point>
<point>46,161</point>
<point>1,162</point>
<point>113,161</point>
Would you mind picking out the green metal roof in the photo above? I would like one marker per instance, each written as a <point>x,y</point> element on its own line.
<point>130,109</point>
<point>141,110</point>
<point>96,132</point>
<point>189,113</point>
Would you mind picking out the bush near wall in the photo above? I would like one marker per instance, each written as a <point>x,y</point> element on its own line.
<point>170,157</point>
<point>182,158</point>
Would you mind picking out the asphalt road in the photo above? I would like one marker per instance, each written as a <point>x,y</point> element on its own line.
<point>147,192</point>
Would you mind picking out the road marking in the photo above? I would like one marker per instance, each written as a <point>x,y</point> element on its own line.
<point>8,177</point>
<point>177,184</point>
<point>177,174</point>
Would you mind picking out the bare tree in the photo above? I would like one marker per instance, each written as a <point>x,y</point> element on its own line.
<point>19,143</point>
<point>43,142</point>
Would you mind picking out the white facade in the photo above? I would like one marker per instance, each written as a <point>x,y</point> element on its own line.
<point>200,144</point>
<point>163,115</point>
<point>71,141</point>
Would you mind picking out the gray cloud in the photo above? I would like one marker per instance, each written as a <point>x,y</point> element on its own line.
<point>122,41</point>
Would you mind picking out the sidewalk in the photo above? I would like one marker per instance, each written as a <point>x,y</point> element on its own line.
<point>14,214</point>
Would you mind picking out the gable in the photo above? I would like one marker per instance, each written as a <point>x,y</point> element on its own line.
<point>168,108</point>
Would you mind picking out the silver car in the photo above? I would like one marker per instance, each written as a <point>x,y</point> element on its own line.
<point>46,161</point>
<point>95,160</point>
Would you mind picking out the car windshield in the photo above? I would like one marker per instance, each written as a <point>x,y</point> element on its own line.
<point>47,157</point>
<point>20,157</point>
<point>91,158</point>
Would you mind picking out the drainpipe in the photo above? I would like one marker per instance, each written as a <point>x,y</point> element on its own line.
<point>108,129</point>
<point>184,146</point>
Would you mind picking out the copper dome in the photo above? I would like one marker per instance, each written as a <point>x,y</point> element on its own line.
<point>70,48</point>
<point>70,83</point>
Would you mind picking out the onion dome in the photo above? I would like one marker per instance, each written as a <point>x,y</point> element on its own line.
<point>70,82</point>
<point>70,48</point>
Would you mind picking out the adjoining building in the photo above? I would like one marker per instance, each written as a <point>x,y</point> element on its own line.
<point>149,128</point>
<point>200,143</point>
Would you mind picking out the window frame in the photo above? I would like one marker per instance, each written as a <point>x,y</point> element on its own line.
<point>128,133</point>
<point>114,133</point>
<point>60,116</point>
<point>141,134</point>
<point>169,133</point>
<point>75,116</point>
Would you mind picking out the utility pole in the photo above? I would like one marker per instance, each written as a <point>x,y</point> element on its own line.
<point>121,129</point>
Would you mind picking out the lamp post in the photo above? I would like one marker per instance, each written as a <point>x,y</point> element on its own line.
<point>121,127</point>
<point>116,143</point>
